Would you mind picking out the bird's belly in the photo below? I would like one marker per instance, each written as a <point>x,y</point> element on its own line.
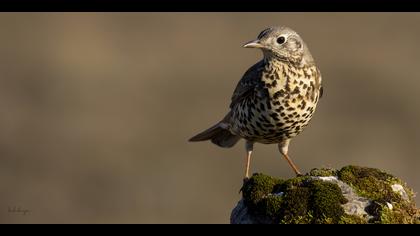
<point>272,120</point>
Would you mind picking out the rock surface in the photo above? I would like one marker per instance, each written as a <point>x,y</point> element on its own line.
<point>351,195</point>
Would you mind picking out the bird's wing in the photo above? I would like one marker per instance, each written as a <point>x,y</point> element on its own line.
<point>249,83</point>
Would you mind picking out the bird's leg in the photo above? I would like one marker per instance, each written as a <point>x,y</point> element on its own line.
<point>249,146</point>
<point>284,147</point>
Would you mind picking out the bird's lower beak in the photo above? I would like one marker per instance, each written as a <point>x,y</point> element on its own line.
<point>253,44</point>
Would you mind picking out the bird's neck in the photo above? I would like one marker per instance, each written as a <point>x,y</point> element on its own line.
<point>295,61</point>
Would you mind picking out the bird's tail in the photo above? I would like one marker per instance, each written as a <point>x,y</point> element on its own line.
<point>218,135</point>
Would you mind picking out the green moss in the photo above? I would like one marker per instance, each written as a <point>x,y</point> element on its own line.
<point>306,219</point>
<point>326,200</point>
<point>257,193</point>
<point>258,186</point>
<point>352,219</point>
<point>311,201</point>
<point>388,216</point>
<point>305,200</point>
<point>323,172</point>
<point>293,183</point>
<point>376,185</point>
<point>401,213</point>
<point>270,205</point>
<point>295,205</point>
<point>370,183</point>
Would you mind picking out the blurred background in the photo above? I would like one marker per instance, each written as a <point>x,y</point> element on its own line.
<point>97,108</point>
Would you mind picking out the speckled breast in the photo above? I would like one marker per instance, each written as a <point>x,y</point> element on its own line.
<point>282,107</point>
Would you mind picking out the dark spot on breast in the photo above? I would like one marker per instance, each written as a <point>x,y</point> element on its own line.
<point>291,71</point>
<point>306,74</point>
<point>278,94</point>
<point>290,109</point>
<point>283,71</point>
<point>303,103</point>
<point>275,116</point>
<point>274,83</point>
<point>287,87</point>
<point>296,90</point>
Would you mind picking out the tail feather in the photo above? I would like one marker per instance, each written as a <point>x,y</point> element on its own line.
<point>218,135</point>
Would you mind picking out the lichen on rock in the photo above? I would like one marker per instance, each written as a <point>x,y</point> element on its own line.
<point>351,195</point>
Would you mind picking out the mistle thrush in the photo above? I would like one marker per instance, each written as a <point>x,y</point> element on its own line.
<point>275,99</point>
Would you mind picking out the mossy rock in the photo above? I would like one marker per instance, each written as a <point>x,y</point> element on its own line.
<point>351,195</point>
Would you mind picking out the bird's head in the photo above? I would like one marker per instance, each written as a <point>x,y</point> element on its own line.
<point>283,44</point>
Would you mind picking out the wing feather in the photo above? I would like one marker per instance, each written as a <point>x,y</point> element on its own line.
<point>249,84</point>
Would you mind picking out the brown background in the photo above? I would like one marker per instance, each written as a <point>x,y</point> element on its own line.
<point>96,109</point>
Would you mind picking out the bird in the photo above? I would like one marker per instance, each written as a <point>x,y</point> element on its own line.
<point>274,100</point>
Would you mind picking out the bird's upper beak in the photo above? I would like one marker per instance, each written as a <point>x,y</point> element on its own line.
<point>253,44</point>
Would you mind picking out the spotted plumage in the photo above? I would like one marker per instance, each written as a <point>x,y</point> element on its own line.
<point>275,99</point>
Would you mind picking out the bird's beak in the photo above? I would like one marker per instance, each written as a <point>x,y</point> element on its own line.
<point>253,44</point>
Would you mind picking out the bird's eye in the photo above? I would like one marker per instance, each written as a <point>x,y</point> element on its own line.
<point>281,40</point>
